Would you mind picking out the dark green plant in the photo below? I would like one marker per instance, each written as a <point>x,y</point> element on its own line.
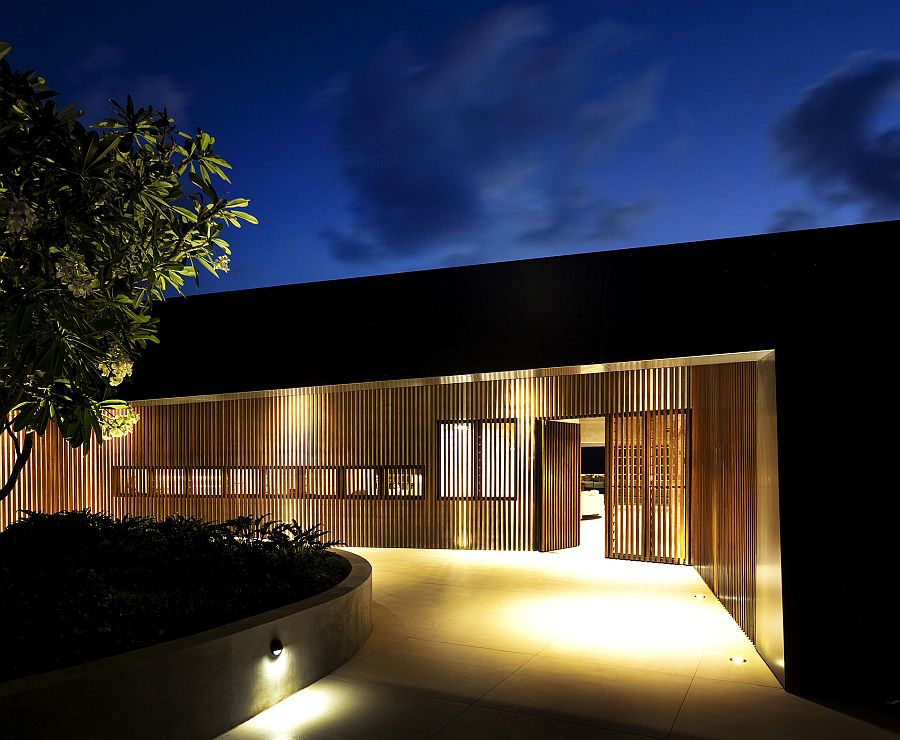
<point>96,224</point>
<point>271,531</point>
<point>84,585</point>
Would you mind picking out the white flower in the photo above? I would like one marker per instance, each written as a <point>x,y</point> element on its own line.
<point>221,263</point>
<point>74,274</point>
<point>118,425</point>
<point>116,365</point>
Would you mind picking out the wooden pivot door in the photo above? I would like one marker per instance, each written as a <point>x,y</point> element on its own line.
<point>647,484</point>
<point>557,487</point>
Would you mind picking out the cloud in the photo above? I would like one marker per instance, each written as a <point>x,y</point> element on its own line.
<point>105,74</point>
<point>485,140</point>
<point>618,222</point>
<point>100,59</point>
<point>576,219</point>
<point>830,140</point>
<point>346,248</point>
<point>793,218</point>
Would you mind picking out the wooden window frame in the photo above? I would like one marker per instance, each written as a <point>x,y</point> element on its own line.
<point>477,458</point>
<point>380,494</point>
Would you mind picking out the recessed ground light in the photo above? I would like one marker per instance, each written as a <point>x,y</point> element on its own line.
<point>699,596</point>
<point>737,659</point>
<point>275,647</point>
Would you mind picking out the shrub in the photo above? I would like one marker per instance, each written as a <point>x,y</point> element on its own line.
<point>75,586</point>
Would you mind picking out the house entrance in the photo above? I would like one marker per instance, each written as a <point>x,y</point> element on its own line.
<point>640,491</point>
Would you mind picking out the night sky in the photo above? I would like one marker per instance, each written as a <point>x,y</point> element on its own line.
<point>381,137</point>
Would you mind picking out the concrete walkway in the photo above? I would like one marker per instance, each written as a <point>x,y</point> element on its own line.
<point>547,645</point>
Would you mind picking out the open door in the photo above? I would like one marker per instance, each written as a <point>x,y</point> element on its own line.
<point>557,510</point>
<point>647,484</point>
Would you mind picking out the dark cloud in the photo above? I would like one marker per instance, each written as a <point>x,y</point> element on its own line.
<point>105,74</point>
<point>577,219</point>
<point>618,222</point>
<point>474,142</point>
<point>829,138</point>
<point>349,249</point>
<point>793,218</point>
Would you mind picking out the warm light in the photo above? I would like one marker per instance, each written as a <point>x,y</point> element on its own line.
<point>275,670</point>
<point>462,528</point>
<point>302,710</point>
<point>640,618</point>
<point>699,596</point>
<point>737,659</point>
<point>634,615</point>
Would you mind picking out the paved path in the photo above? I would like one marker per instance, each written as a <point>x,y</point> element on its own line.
<point>547,645</point>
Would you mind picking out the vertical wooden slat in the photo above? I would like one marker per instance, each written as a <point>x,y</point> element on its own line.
<point>723,486</point>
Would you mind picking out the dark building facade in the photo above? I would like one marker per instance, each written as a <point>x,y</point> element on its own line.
<point>747,357</point>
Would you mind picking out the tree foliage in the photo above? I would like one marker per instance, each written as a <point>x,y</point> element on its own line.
<point>96,224</point>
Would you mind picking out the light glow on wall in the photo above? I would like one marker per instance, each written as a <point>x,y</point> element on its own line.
<point>300,710</point>
<point>272,673</point>
<point>462,531</point>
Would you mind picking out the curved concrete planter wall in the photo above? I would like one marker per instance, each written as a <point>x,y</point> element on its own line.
<point>197,686</point>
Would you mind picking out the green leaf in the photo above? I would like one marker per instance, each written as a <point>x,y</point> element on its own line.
<point>202,182</point>
<point>188,215</point>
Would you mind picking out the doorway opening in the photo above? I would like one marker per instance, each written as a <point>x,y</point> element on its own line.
<point>593,483</point>
<point>625,477</point>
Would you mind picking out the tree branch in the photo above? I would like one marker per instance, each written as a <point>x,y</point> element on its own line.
<point>23,452</point>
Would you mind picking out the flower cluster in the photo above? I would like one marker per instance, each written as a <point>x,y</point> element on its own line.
<point>19,216</point>
<point>74,274</point>
<point>118,424</point>
<point>221,263</point>
<point>116,365</point>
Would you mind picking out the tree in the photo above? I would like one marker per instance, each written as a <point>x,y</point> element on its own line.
<point>96,225</point>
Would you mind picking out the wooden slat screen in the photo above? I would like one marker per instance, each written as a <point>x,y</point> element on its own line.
<point>668,484</point>
<point>366,461</point>
<point>723,486</point>
<point>625,492</point>
<point>648,466</point>
<point>558,478</point>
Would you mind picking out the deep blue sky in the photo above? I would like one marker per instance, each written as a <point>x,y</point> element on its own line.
<point>379,137</point>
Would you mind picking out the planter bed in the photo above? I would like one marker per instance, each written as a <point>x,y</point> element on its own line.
<point>201,685</point>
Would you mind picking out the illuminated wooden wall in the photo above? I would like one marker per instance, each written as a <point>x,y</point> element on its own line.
<point>433,464</point>
<point>723,490</point>
<point>55,478</point>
